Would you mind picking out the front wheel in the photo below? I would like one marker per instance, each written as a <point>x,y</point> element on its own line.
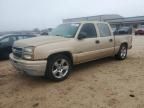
<point>122,54</point>
<point>58,67</point>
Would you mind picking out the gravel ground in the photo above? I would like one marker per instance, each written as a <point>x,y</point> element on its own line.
<point>106,83</point>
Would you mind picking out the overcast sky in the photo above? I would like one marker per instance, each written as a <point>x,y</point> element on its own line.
<point>29,14</point>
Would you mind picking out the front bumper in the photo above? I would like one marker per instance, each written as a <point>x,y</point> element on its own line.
<point>33,68</point>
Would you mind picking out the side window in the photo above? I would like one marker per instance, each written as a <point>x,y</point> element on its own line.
<point>104,30</point>
<point>5,40</point>
<point>14,38</point>
<point>25,37</point>
<point>88,30</point>
<point>28,36</point>
<point>20,37</point>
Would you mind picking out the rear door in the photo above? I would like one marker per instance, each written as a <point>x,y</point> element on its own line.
<point>106,40</point>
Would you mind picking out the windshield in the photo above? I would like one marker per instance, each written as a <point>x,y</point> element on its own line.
<point>66,30</point>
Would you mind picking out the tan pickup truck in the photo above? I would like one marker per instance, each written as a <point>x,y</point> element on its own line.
<point>69,44</point>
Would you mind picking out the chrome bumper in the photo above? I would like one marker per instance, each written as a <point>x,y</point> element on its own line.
<point>33,68</point>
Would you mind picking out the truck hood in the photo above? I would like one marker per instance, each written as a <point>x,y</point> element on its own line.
<point>36,41</point>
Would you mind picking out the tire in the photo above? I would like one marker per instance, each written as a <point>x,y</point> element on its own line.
<point>122,54</point>
<point>58,68</point>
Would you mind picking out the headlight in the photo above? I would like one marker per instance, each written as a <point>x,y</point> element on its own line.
<point>28,50</point>
<point>28,53</point>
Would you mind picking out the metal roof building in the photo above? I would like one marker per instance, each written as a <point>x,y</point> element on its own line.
<point>93,18</point>
<point>114,19</point>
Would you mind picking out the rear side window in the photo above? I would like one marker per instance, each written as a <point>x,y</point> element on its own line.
<point>104,30</point>
<point>5,40</point>
<point>29,36</point>
<point>20,37</point>
<point>25,37</point>
<point>89,30</point>
<point>14,38</point>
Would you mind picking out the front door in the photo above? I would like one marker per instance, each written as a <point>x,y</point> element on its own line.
<point>6,46</point>
<point>86,43</point>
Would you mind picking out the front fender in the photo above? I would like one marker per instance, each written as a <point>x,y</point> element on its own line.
<point>41,53</point>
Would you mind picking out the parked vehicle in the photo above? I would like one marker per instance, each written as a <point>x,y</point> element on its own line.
<point>6,42</point>
<point>125,30</point>
<point>68,44</point>
<point>140,30</point>
<point>115,31</point>
<point>44,33</point>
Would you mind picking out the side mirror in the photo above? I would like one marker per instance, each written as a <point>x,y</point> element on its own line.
<point>82,35</point>
<point>115,33</point>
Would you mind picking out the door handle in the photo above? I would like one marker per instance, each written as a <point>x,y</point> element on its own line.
<point>97,41</point>
<point>111,40</point>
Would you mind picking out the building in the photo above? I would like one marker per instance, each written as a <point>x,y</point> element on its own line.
<point>115,21</point>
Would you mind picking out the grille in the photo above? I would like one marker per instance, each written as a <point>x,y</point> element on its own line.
<point>17,52</point>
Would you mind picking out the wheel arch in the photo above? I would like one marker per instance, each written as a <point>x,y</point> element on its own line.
<point>66,53</point>
<point>124,43</point>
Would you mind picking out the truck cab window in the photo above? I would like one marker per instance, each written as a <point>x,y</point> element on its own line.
<point>104,30</point>
<point>88,30</point>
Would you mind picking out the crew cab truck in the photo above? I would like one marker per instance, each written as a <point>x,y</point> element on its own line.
<point>69,44</point>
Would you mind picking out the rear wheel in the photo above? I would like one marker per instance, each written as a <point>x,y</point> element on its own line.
<point>58,67</point>
<point>122,54</point>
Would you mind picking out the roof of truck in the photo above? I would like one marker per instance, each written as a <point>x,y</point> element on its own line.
<point>88,22</point>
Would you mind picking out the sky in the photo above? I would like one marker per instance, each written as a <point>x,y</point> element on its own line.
<point>30,14</point>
